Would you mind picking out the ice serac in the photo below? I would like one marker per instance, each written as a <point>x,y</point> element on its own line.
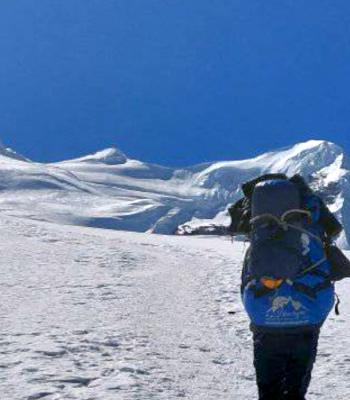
<point>109,190</point>
<point>323,164</point>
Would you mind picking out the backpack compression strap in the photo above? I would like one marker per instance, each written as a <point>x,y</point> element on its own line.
<point>285,225</point>
<point>309,291</point>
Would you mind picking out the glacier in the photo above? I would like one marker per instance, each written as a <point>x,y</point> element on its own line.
<point>109,190</point>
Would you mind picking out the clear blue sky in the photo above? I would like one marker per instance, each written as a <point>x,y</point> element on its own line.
<point>175,82</point>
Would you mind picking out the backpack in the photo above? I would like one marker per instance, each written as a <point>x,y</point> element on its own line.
<point>286,278</point>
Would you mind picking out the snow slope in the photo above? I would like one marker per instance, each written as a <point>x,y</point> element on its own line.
<point>94,314</point>
<point>110,190</point>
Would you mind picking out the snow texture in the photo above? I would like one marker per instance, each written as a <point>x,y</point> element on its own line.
<point>103,315</point>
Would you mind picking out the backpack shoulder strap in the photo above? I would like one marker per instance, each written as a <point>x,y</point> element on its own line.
<point>240,217</point>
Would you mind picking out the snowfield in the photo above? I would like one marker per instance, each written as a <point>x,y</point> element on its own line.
<point>95,314</point>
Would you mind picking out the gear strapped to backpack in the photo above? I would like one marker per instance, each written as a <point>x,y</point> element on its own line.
<point>287,278</point>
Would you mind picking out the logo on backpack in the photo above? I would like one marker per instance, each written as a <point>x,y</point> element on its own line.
<point>285,308</point>
<point>280,302</point>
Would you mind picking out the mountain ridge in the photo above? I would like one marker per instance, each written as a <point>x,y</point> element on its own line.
<point>109,190</point>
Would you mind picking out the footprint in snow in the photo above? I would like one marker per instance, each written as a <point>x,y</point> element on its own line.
<point>39,395</point>
<point>52,353</point>
<point>204,349</point>
<point>81,332</point>
<point>132,370</point>
<point>77,380</point>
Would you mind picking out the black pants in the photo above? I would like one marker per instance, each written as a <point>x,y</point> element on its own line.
<point>283,362</point>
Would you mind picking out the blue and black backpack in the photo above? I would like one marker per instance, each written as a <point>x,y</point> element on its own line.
<point>287,277</point>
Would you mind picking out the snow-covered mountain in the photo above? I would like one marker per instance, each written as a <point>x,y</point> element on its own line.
<point>90,313</point>
<point>110,190</point>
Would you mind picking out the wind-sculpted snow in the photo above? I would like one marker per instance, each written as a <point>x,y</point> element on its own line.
<point>7,152</point>
<point>109,190</point>
<point>111,156</point>
<point>94,314</point>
